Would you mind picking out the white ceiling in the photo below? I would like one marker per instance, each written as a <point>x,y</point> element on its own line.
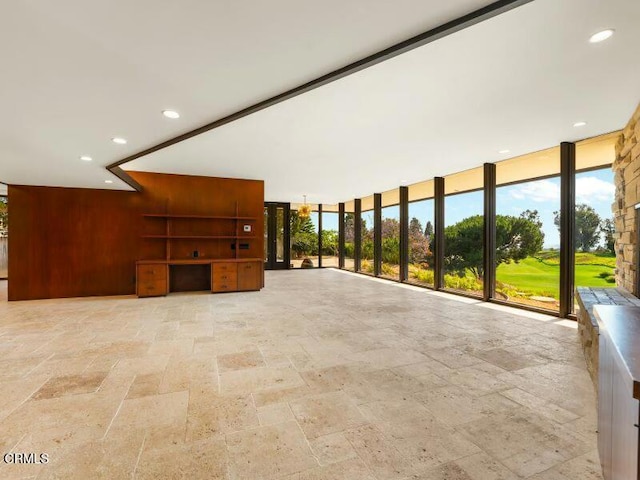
<point>75,73</point>
<point>518,81</point>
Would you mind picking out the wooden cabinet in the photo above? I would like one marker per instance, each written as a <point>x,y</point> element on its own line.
<point>618,391</point>
<point>224,277</point>
<point>227,243</point>
<point>152,279</point>
<point>250,276</point>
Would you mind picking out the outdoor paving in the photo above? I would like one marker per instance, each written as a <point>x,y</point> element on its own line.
<point>321,375</point>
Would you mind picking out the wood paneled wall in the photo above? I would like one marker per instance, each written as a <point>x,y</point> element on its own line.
<point>73,242</point>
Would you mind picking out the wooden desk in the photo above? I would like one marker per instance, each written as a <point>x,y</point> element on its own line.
<point>618,390</point>
<point>227,275</point>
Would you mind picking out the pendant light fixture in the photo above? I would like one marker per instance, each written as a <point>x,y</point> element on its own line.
<point>304,210</point>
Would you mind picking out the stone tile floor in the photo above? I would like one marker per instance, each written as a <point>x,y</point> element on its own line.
<point>322,375</point>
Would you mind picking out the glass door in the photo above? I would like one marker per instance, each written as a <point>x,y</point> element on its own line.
<point>276,231</point>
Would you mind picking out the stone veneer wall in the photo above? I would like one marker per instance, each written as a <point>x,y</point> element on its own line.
<point>627,179</point>
<point>588,328</point>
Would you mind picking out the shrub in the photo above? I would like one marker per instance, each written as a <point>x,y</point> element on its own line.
<point>390,270</point>
<point>367,250</point>
<point>421,275</point>
<point>349,249</point>
<point>366,266</point>
<point>604,274</point>
<point>461,283</point>
<point>391,250</point>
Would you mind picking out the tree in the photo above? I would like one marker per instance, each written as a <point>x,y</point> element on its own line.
<point>349,227</point>
<point>390,228</point>
<point>304,238</point>
<point>516,239</point>
<point>607,228</point>
<point>587,227</point>
<point>419,248</point>
<point>415,227</point>
<point>330,242</point>
<point>428,230</point>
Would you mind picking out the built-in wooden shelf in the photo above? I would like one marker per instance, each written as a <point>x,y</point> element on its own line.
<point>197,261</point>
<point>201,217</point>
<point>195,237</point>
<point>217,230</point>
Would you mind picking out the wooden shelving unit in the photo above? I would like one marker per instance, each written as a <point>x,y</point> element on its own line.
<point>233,232</point>
<point>222,238</point>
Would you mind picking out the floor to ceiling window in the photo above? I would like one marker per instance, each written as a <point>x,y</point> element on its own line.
<point>527,238</point>
<point>390,235</point>
<point>330,236</point>
<point>349,236</point>
<point>367,223</point>
<point>594,227</point>
<point>421,230</point>
<point>304,239</point>
<point>464,232</point>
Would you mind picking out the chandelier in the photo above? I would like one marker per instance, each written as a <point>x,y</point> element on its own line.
<point>304,210</point>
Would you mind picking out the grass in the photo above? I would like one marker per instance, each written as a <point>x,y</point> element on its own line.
<point>540,275</point>
<point>533,276</point>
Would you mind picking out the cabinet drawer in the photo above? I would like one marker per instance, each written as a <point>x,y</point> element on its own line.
<point>152,288</point>
<point>224,277</point>
<point>225,267</point>
<point>153,272</point>
<point>229,285</point>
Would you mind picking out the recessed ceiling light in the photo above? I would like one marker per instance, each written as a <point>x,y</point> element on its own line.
<point>119,140</point>
<point>86,158</point>
<point>579,124</point>
<point>504,151</point>
<point>601,36</point>
<point>171,114</point>
<point>108,181</point>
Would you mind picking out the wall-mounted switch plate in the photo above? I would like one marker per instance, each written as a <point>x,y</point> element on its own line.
<point>247,228</point>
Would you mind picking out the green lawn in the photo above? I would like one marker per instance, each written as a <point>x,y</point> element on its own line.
<point>540,275</point>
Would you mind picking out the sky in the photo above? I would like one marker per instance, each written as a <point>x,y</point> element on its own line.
<point>595,188</point>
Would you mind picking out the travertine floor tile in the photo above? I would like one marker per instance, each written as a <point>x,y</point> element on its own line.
<point>202,459</point>
<point>427,443</point>
<point>269,451</point>
<point>453,406</point>
<point>259,379</point>
<point>482,467</point>
<point>385,383</point>
<point>70,385</point>
<point>211,414</point>
<point>541,406</point>
<point>145,385</point>
<point>152,412</point>
<point>239,361</point>
<point>354,469</point>
<point>381,456</point>
<point>275,413</point>
<point>332,448</point>
<point>326,413</point>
